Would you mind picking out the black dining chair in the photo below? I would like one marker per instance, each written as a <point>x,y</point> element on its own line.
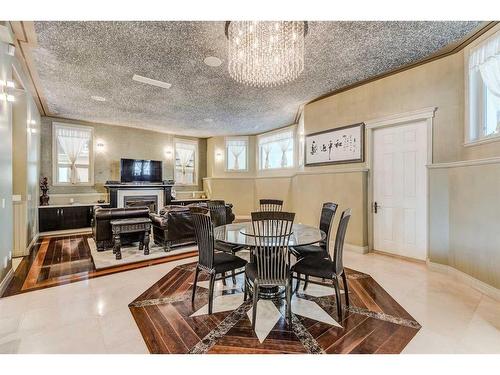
<point>219,217</point>
<point>215,263</point>
<point>270,264</point>
<point>325,220</point>
<point>327,215</point>
<point>271,204</point>
<point>326,268</point>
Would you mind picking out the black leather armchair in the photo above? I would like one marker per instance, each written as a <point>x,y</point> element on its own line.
<point>101,226</point>
<point>173,226</point>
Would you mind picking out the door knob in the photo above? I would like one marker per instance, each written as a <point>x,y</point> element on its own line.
<point>375,207</point>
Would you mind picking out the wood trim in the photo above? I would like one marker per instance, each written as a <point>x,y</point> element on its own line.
<point>448,51</point>
<point>25,35</point>
<point>401,118</point>
<point>6,281</point>
<point>25,40</point>
<point>465,163</point>
<point>477,284</point>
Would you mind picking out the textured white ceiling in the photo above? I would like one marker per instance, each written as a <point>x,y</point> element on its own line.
<point>76,60</point>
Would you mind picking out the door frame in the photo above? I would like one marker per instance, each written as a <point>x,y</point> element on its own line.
<point>424,114</point>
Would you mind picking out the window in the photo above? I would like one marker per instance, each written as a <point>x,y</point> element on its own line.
<point>186,163</point>
<point>276,149</point>
<point>72,154</point>
<point>237,154</point>
<point>484,90</point>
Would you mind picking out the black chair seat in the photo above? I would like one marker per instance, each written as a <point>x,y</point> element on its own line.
<point>309,250</point>
<point>315,266</point>
<point>227,248</point>
<point>251,271</point>
<point>224,262</point>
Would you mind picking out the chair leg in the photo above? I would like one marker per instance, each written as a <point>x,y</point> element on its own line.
<point>195,281</point>
<point>233,272</point>
<point>245,288</point>
<point>289,302</point>
<point>211,293</point>
<point>255,300</point>
<point>306,283</point>
<point>346,289</point>
<point>298,283</point>
<point>224,278</point>
<point>337,298</point>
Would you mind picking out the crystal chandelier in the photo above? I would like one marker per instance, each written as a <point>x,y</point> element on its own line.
<point>265,53</point>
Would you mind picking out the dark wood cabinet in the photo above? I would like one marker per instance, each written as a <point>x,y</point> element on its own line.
<point>62,218</point>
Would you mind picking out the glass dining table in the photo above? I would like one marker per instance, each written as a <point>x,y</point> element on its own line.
<point>242,234</point>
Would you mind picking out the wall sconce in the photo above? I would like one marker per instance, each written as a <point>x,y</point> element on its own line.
<point>8,97</point>
<point>5,85</point>
<point>11,50</point>
<point>218,156</point>
<point>168,153</point>
<point>100,146</point>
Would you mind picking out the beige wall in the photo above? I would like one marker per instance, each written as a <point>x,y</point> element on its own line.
<point>464,213</point>
<point>26,169</point>
<point>119,142</point>
<point>13,131</point>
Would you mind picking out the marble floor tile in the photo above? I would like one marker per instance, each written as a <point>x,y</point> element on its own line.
<point>93,315</point>
<point>312,310</point>
<point>267,317</point>
<point>227,302</point>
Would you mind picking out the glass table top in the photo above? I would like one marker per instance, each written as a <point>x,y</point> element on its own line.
<point>241,234</point>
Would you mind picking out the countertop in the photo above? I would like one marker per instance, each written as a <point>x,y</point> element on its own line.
<point>74,205</point>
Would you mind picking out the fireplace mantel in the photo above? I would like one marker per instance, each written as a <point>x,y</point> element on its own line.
<point>117,190</point>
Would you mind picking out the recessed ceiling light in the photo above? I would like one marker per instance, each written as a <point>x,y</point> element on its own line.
<point>212,61</point>
<point>98,98</point>
<point>209,120</point>
<point>150,81</point>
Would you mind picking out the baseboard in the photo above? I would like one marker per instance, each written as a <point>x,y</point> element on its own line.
<point>481,286</point>
<point>32,243</point>
<point>6,281</point>
<point>356,248</point>
<point>396,256</point>
<point>65,232</point>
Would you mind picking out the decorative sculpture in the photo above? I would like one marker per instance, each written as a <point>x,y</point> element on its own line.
<point>44,187</point>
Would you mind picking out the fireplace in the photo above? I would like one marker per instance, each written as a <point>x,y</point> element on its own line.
<point>150,201</point>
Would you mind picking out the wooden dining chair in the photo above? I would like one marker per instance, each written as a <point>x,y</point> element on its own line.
<point>271,204</point>
<point>326,268</point>
<point>214,263</point>
<point>219,217</point>
<point>270,265</point>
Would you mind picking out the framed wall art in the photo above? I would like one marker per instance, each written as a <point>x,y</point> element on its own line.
<point>336,146</point>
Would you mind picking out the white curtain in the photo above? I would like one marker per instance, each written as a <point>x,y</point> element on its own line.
<point>284,146</point>
<point>267,149</point>
<point>184,154</point>
<point>72,142</point>
<point>283,140</point>
<point>486,58</point>
<point>236,148</point>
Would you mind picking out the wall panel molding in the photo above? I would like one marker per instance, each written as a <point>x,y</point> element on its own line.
<point>465,163</point>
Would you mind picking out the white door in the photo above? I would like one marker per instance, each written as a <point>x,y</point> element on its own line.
<point>400,190</point>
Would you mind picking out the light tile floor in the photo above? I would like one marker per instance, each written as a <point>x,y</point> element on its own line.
<point>93,317</point>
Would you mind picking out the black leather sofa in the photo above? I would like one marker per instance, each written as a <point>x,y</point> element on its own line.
<point>173,225</point>
<point>101,227</point>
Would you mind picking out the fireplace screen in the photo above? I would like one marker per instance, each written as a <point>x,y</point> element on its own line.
<point>150,201</point>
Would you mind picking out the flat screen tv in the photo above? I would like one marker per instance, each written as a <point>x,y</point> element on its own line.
<point>133,170</point>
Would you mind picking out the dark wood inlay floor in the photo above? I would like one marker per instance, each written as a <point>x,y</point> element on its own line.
<point>374,323</point>
<point>66,259</point>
